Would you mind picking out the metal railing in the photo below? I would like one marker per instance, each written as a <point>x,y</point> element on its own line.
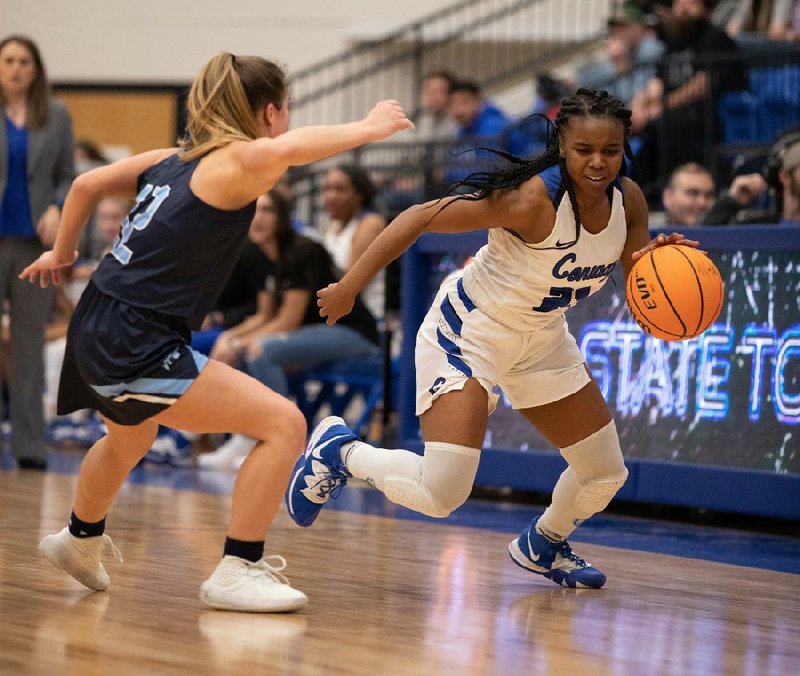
<point>493,42</point>
<point>721,133</point>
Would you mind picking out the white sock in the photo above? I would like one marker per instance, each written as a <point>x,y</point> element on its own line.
<point>373,464</point>
<point>559,519</point>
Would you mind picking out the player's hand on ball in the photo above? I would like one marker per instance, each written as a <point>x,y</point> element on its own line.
<point>334,302</point>
<point>663,240</point>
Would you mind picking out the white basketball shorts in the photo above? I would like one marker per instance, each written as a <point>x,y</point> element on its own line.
<point>457,341</point>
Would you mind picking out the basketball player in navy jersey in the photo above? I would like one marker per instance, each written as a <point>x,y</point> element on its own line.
<point>557,224</point>
<point>128,353</point>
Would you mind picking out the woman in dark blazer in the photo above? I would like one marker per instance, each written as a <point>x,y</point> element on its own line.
<point>36,170</point>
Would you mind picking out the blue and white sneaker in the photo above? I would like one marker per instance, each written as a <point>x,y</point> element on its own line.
<point>170,448</point>
<point>319,474</point>
<point>554,560</point>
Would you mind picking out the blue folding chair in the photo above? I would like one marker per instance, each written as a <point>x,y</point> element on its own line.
<point>738,113</point>
<point>338,384</point>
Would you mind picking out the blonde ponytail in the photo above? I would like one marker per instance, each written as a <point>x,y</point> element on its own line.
<point>224,99</point>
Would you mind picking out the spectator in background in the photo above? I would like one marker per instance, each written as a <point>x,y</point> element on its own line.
<point>690,198</point>
<point>780,180</point>
<point>107,218</point>
<point>480,123</point>
<point>773,18</point>
<point>689,194</point>
<point>87,156</point>
<point>632,54</point>
<point>433,122</point>
<point>550,91</point>
<point>287,333</point>
<point>527,136</point>
<point>671,114</point>
<point>349,198</point>
<point>789,178</point>
<point>476,116</point>
<point>732,205</point>
<point>286,188</point>
<point>55,341</point>
<point>109,214</point>
<point>36,170</point>
<point>434,130</point>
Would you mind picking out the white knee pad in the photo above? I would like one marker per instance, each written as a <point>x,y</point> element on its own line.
<point>445,478</point>
<point>597,468</point>
<point>413,494</point>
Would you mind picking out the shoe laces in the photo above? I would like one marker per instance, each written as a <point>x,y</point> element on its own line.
<point>332,483</point>
<point>263,568</point>
<point>88,545</point>
<point>570,560</point>
<point>108,542</point>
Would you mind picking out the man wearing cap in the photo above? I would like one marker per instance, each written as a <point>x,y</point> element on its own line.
<point>632,53</point>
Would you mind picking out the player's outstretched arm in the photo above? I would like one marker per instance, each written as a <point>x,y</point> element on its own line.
<point>87,190</point>
<point>447,215</point>
<point>269,157</point>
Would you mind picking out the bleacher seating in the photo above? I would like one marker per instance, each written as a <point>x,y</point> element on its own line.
<point>340,384</point>
<point>777,93</point>
<point>738,113</point>
<point>771,106</point>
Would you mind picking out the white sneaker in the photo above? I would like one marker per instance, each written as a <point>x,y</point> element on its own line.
<point>80,557</point>
<point>238,446</point>
<point>249,587</point>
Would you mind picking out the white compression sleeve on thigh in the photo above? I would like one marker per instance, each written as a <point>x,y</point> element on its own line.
<point>434,484</point>
<point>596,472</point>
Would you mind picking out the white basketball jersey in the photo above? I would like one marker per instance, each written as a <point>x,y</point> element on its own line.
<point>523,285</point>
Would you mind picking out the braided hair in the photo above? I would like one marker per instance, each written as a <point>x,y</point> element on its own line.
<point>584,103</point>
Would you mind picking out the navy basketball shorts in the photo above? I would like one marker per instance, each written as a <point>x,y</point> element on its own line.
<point>126,362</point>
<point>457,341</point>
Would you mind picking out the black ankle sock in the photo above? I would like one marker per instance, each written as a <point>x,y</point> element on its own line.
<point>248,550</point>
<point>81,529</point>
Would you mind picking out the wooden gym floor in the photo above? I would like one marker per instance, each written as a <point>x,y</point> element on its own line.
<point>388,594</point>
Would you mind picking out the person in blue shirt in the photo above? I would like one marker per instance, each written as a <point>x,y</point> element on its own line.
<point>36,168</point>
<point>480,123</point>
<point>128,354</point>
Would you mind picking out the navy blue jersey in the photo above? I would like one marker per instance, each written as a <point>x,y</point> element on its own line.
<point>174,252</point>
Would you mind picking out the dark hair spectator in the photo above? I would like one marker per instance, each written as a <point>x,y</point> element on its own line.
<point>36,170</point>
<point>632,54</point>
<point>433,121</point>
<point>480,123</point>
<point>349,198</point>
<point>287,333</point>
<point>700,64</point>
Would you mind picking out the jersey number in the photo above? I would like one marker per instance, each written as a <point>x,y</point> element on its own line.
<point>147,202</point>
<point>561,296</point>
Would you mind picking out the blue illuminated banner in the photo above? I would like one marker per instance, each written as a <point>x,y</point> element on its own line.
<point>729,397</point>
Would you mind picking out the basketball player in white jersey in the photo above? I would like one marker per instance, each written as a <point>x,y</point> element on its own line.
<point>557,225</point>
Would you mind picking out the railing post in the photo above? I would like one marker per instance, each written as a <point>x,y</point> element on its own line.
<point>418,67</point>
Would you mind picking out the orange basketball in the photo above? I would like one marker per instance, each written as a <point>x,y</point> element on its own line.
<point>674,292</point>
